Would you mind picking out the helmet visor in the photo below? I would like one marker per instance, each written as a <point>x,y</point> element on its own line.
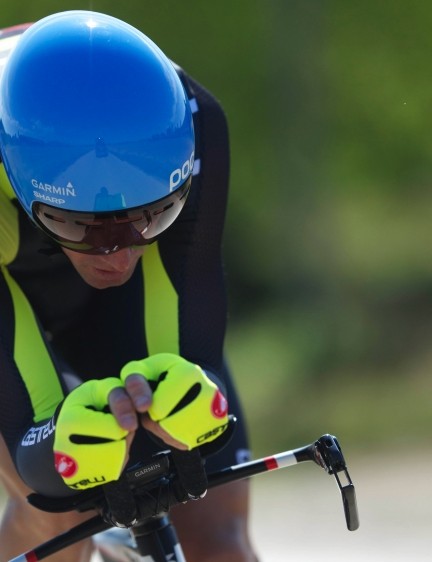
<point>106,233</point>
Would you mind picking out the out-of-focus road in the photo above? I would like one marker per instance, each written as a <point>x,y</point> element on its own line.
<point>298,514</point>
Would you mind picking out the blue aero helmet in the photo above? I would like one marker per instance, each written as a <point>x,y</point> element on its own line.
<point>96,132</point>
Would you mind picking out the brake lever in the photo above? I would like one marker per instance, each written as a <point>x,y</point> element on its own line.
<point>326,452</point>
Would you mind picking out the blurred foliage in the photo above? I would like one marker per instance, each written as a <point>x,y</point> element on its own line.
<point>327,241</point>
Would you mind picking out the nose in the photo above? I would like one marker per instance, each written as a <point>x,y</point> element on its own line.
<point>122,260</point>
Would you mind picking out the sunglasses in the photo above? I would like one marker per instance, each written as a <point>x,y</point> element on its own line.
<point>106,233</point>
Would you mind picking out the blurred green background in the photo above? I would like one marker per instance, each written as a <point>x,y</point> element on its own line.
<point>327,241</point>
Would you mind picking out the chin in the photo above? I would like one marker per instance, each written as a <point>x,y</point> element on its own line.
<point>101,282</point>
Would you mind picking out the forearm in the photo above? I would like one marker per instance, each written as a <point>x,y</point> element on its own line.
<point>34,460</point>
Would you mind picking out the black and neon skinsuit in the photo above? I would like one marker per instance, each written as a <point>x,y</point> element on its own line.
<point>51,321</point>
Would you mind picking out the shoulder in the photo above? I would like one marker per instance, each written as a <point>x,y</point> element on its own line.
<point>9,226</point>
<point>200,98</point>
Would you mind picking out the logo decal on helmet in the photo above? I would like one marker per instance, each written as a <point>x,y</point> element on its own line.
<point>50,193</point>
<point>180,174</point>
<point>68,191</point>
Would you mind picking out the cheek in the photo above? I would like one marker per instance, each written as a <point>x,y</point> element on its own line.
<point>79,261</point>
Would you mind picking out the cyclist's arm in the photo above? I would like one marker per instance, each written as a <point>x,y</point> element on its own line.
<point>30,390</point>
<point>191,249</point>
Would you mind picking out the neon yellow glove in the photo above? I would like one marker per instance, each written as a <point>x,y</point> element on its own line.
<point>89,445</point>
<point>186,403</point>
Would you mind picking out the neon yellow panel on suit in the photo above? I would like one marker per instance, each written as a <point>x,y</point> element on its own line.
<point>161,305</point>
<point>32,357</point>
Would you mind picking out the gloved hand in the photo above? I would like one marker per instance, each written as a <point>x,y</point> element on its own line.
<point>89,445</point>
<point>186,403</point>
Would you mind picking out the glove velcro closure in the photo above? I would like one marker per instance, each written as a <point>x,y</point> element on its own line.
<point>89,445</point>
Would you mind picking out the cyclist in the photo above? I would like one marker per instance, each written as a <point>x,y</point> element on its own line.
<point>112,307</point>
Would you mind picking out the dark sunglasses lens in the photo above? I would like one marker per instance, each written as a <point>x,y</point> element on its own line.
<point>101,233</point>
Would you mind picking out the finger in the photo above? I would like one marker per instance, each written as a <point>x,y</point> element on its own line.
<point>123,409</point>
<point>157,430</point>
<point>129,439</point>
<point>139,391</point>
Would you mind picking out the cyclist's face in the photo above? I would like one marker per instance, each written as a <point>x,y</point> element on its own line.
<point>101,271</point>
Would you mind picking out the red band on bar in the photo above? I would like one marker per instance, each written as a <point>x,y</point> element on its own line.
<point>271,463</point>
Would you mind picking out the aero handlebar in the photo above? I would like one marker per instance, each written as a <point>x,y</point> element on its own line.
<point>147,491</point>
